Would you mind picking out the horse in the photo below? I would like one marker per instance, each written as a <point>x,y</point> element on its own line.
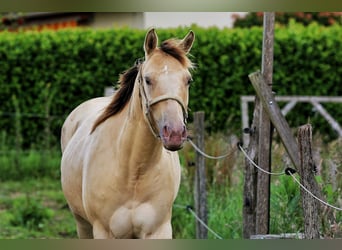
<point>120,169</point>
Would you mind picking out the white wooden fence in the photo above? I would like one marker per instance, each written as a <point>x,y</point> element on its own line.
<point>291,101</point>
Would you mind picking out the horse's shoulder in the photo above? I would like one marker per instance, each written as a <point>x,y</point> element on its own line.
<point>83,114</point>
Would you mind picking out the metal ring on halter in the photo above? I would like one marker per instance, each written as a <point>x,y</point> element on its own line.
<point>149,103</point>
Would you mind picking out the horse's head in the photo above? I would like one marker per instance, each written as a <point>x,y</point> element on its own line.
<point>164,86</point>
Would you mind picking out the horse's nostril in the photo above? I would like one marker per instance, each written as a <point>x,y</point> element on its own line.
<point>169,131</point>
<point>166,131</point>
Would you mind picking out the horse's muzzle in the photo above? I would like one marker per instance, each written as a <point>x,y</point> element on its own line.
<point>173,137</point>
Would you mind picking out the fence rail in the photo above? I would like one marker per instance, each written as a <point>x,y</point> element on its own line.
<point>315,101</point>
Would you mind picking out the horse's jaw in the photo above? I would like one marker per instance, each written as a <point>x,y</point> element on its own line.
<point>173,147</point>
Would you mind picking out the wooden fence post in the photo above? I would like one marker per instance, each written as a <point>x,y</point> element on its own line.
<point>250,180</point>
<point>200,194</point>
<point>306,171</point>
<point>257,186</point>
<point>271,106</point>
<point>265,133</point>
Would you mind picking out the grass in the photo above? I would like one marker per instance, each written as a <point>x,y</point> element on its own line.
<point>34,208</point>
<point>32,204</point>
<point>224,216</point>
<point>28,164</point>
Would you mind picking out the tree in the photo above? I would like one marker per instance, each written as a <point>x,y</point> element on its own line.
<point>283,18</point>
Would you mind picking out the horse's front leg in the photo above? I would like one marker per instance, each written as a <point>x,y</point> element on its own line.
<point>163,232</point>
<point>99,231</point>
<point>84,228</point>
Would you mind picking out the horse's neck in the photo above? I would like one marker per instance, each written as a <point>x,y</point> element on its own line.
<point>142,148</point>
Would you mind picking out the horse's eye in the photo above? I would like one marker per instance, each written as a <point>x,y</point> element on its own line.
<point>190,80</point>
<point>148,80</point>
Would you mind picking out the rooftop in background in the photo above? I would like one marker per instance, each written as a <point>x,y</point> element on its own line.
<point>140,20</point>
<point>203,19</point>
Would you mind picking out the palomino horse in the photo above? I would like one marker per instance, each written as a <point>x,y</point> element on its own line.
<point>120,168</point>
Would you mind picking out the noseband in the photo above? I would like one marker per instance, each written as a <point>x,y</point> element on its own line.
<point>149,103</point>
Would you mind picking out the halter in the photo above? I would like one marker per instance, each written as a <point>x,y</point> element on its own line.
<point>149,103</point>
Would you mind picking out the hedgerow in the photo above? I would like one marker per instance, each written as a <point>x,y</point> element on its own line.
<point>44,75</point>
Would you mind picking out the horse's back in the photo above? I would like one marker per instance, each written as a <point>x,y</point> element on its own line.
<point>87,111</point>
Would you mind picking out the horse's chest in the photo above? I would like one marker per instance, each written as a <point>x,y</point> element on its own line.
<point>135,222</point>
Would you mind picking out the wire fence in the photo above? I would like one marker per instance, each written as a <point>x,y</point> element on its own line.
<point>190,210</point>
<point>287,171</point>
<point>290,172</point>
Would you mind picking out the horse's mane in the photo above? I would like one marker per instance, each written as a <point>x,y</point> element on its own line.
<point>127,78</point>
<point>126,82</point>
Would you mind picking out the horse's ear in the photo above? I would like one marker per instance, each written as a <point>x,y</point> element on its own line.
<point>151,42</point>
<point>187,41</point>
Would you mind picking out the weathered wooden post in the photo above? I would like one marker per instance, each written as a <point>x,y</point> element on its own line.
<point>265,134</point>
<point>250,177</point>
<point>270,105</point>
<point>200,194</point>
<point>257,186</point>
<point>307,169</point>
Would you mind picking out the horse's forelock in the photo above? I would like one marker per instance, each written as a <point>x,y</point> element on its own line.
<point>173,47</point>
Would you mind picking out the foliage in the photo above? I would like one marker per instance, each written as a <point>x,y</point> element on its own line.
<point>306,18</point>
<point>34,208</point>
<point>10,20</point>
<point>30,213</point>
<point>20,165</point>
<point>44,75</point>
<point>286,213</point>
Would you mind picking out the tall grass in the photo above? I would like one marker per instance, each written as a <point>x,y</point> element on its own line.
<point>29,164</point>
<point>224,217</point>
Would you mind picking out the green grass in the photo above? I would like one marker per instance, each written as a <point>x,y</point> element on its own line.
<point>224,205</point>
<point>28,164</point>
<point>34,208</point>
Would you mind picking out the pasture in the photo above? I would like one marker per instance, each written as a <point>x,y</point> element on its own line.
<point>32,204</point>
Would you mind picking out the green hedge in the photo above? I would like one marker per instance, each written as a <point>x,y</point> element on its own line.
<point>49,73</point>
